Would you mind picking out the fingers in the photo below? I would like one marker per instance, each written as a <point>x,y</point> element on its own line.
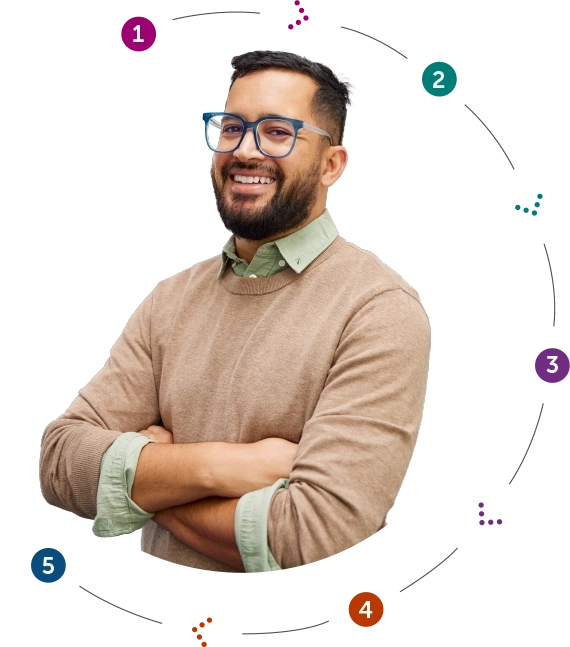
<point>158,433</point>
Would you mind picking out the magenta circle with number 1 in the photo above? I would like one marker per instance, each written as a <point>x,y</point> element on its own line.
<point>138,34</point>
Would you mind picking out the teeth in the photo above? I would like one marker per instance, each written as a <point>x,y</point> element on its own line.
<point>248,179</point>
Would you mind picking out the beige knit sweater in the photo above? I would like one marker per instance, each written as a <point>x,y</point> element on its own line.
<point>335,358</point>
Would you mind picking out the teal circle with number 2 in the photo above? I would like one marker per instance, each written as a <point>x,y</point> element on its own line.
<point>48,565</point>
<point>439,79</point>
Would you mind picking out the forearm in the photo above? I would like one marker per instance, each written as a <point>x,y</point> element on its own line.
<point>206,526</point>
<point>168,475</point>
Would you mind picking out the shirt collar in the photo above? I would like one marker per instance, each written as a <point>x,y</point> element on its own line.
<point>298,249</point>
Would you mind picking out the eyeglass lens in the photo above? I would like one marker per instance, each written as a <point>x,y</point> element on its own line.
<point>276,136</point>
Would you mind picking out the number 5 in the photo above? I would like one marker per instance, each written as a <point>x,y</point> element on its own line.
<point>366,610</point>
<point>553,363</point>
<point>46,559</point>
<point>437,83</point>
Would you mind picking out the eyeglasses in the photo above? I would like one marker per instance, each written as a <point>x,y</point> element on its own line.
<point>274,136</point>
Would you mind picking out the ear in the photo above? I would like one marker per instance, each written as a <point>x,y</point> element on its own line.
<point>335,159</point>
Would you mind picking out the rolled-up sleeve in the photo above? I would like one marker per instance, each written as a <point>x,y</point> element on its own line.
<point>117,513</point>
<point>356,447</point>
<point>251,529</point>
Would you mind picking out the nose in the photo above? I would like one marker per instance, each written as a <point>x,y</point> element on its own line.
<point>248,150</point>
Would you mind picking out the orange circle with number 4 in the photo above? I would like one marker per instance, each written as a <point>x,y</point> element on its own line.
<point>366,609</point>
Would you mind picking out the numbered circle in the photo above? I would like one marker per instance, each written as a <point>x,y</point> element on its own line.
<point>552,365</point>
<point>138,34</point>
<point>48,565</point>
<point>366,609</point>
<point>439,79</point>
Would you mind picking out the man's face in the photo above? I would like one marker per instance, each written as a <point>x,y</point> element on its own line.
<point>260,211</point>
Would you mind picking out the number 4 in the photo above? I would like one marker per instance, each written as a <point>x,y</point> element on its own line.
<point>366,610</point>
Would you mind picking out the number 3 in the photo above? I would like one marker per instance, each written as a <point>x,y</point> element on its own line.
<point>46,559</point>
<point>437,83</point>
<point>553,363</point>
<point>366,611</point>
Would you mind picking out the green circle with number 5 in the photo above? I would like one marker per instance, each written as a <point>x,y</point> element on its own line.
<point>439,79</point>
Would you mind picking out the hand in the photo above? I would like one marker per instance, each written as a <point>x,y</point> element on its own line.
<point>244,468</point>
<point>275,457</point>
<point>158,433</point>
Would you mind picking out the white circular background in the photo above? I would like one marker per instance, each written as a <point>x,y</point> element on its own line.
<point>135,205</point>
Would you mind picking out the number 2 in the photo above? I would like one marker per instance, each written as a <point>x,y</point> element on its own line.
<point>46,559</point>
<point>138,39</point>
<point>437,83</point>
<point>553,363</point>
<point>366,610</point>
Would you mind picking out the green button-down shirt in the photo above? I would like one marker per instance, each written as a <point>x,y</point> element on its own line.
<point>117,513</point>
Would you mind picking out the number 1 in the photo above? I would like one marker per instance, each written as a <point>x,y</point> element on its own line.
<point>138,39</point>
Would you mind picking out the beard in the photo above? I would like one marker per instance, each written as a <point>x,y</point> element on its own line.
<point>288,208</point>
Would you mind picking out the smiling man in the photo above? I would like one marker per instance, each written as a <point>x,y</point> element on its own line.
<point>260,409</point>
<point>272,183</point>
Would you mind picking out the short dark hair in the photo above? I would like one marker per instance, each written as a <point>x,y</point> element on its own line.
<point>331,97</point>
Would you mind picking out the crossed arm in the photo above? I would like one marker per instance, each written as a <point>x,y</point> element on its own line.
<point>206,525</point>
<point>194,489</point>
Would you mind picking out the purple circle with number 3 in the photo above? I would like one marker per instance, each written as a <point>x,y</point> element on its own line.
<point>552,365</point>
<point>138,34</point>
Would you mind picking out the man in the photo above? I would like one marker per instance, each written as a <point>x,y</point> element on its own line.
<point>259,411</point>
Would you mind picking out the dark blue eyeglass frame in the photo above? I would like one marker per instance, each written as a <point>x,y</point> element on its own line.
<point>296,123</point>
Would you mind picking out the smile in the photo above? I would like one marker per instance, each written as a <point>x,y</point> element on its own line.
<point>252,179</point>
<point>248,184</point>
